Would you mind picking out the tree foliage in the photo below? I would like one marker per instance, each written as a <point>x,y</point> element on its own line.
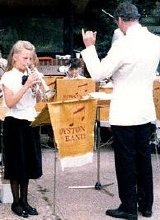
<point>94,19</point>
<point>46,31</point>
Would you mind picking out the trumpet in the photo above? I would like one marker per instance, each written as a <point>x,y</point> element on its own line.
<point>40,86</point>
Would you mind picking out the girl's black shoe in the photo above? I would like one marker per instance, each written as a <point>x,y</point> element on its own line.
<point>18,210</point>
<point>29,209</point>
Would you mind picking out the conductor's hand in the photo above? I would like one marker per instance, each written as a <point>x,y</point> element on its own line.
<point>89,37</point>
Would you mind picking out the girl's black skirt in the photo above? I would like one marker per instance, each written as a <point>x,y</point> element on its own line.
<point>22,150</point>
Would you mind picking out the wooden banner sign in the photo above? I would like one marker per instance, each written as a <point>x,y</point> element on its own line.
<point>51,82</point>
<point>43,118</point>
<point>104,110</point>
<point>69,89</point>
<point>104,106</point>
<point>156,96</point>
<point>73,126</point>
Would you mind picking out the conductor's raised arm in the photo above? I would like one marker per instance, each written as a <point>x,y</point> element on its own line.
<point>89,37</point>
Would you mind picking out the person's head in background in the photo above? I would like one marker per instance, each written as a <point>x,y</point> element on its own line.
<point>126,15</point>
<point>74,67</point>
<point>21,55</point>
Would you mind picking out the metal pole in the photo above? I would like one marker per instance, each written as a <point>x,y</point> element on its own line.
<point>98,184</point>
<point>56,217</point>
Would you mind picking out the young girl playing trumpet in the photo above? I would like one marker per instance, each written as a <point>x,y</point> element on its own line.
<point>22,150</point>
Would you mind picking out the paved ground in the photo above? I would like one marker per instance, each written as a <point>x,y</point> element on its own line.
<point>67,203</point>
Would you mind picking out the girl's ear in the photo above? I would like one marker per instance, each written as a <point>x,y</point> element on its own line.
<point>15,56</point>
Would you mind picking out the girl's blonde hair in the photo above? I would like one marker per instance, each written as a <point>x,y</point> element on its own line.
<point>16,49</point>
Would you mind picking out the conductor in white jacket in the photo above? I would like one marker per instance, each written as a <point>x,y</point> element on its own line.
<point>132,62</point>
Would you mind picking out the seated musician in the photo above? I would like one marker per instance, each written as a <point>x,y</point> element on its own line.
<point>72,69</point>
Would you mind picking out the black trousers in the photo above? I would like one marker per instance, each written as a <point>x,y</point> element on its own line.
<point>133,166</point>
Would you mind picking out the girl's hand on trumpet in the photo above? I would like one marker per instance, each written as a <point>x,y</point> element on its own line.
<point>32,80</point>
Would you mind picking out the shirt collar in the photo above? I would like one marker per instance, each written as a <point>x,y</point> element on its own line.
<point>135,28</point>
